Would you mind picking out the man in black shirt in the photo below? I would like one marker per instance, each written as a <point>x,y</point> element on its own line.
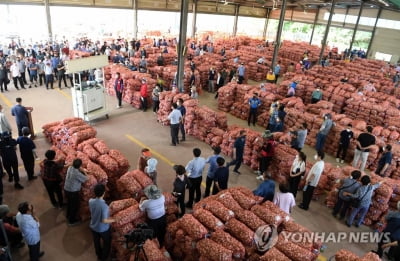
<point>221,176</point>
<point>364,142</point>
<point>238,152</point>
<point>344,142</point>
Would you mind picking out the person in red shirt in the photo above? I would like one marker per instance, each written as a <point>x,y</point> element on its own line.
<point>143,95</point>
<point>119,89</point>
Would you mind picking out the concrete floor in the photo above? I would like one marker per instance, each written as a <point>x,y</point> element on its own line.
<point>128,130</point>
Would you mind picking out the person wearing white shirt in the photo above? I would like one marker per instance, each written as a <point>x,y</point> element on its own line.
<point>16,75</point>
<point>4,124</point>
<point>174,117</point>
<point>297,170</point>
<point>312,179</point>
<point>284,199</point>
<point>195,169</point>
<point>48,72</point>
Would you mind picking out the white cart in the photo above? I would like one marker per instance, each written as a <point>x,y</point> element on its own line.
<point>88,97</point>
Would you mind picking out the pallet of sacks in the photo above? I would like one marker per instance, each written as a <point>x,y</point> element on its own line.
<point>222,227</point>
<point>166,100</point>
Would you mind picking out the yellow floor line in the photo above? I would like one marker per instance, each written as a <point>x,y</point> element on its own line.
<point>64,93</point>
<point>5,100</point>
<point>155,153</point>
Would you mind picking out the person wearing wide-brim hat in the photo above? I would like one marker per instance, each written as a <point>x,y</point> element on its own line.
<point>266,152</point>
<point>155,210</point>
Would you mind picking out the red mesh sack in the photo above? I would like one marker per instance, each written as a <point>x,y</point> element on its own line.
<point>275,255</point>
<point>293,251</point>
<point>219,210</point>
<point>229,242</point>
<point>346,255</point>
<point>193,227</point>
<point>101,147</point>
<point>208,219</point>
<point>118,205</point>
<point>153,251</point>
<point>213,251</point>
<point>249,219</point>
<point>108,163</point>
<point>228,201</point>
<point>240,231</point>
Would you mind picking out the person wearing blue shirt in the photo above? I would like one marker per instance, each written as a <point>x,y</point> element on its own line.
<point>254,103</point>
<point>29,226</point>
<point>384,161</point>
<point>195,169</point>
<point>238,151</point>
<point>182,109</point>
<point>174,118</point>
<point>100,223</point>
<point>266,189</point>
<point>221,176</point>
<point>55,60</point>
<point>277,71</point>
<point>21,115</point>
<point>241,71</point>
<point>27,149</point>
<point>212,160</point>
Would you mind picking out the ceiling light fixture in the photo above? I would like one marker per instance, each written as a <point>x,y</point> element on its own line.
<point>383,2</point>
<point>225,3</point>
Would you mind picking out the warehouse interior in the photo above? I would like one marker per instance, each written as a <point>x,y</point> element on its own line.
<point>129,130</point>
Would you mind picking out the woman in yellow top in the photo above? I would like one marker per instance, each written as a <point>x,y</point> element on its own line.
<point>270,76</point>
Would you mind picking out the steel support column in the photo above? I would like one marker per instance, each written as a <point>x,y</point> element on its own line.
<point>279,34</point>
<point>235,22</point>
<point>48,19</point>
<point>373,32</point>
<point>328,26</point>
<point>194,8</point>
<point>356,26</point>
<point>182,44</point>
<point>135,19</point>
<point>266,24</point>
<point>315,22</point>
<point>345,16</point>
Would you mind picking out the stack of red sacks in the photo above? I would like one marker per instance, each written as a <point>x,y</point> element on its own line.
<point>132,82</point>
<point>205,119</point>
<point>226,97</point>
<point>346,255</point>
<point>128,216</point>
<point>230,220</point>
<point>166,100</point>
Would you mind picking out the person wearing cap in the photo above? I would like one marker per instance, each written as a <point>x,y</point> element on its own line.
<point>326,126</point>
<point>142,161</point>
<point>72,187</point>
<point>316,95</point>
<point>8,153</point>
<point>27,149</point>
<point>195,168</point>
<point>50,173</point>
<point>212,160</point>
<point>241,73</point>
<point>270,77</point>
<point>254,103</point>
<point>151,169</point>
<point>238,152</point>
<point>174,117</point>
<point>29,225</point>
<point>154,206</point>
<point>13,233</point>
<point>100,223</point>
<point>143,95</point>
<point>267,188</point>
<point>221,176</point>
<point>344,142</point>
<point>181,183</point>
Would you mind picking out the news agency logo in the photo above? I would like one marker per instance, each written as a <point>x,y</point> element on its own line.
<point>335,237</point>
